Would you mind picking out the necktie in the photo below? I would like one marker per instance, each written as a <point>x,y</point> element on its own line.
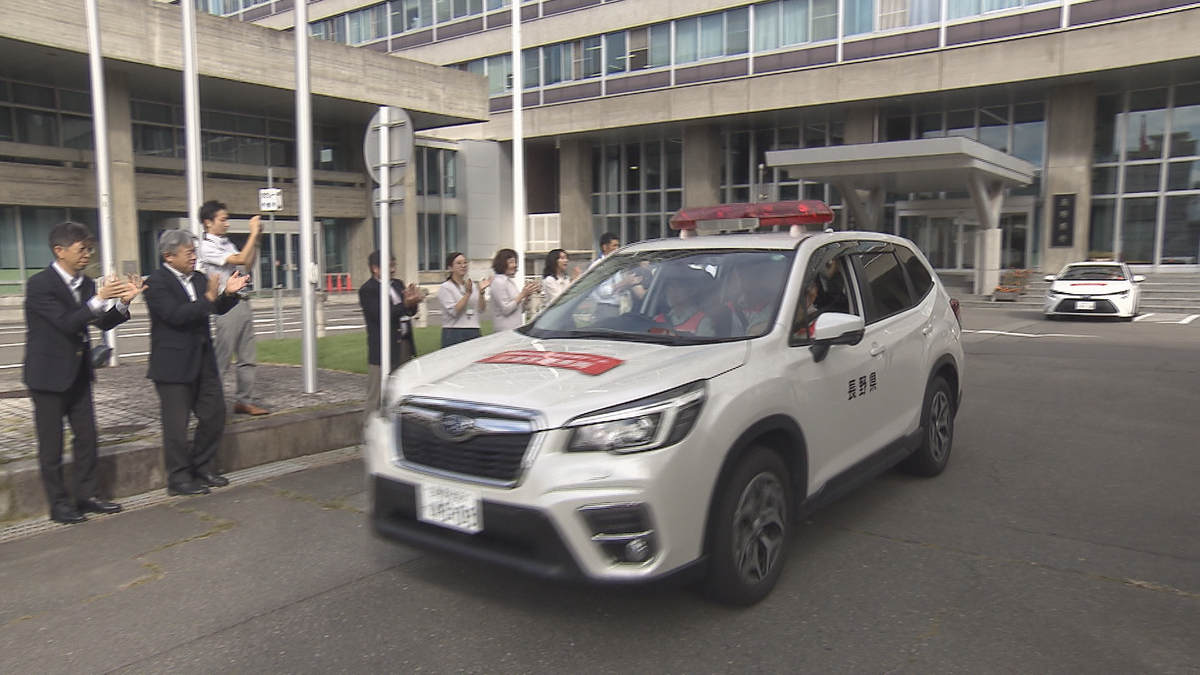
<point>76,282</point>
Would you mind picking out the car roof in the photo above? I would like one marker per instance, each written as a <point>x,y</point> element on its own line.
<point>771,240</point>
<point>1098,263</point>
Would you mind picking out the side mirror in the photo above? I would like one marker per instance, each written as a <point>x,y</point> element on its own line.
<point>1138,278</point>
<point>835,329</point>
<point>1048,277</point>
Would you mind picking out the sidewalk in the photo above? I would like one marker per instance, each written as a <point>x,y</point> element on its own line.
<point>129,428</point>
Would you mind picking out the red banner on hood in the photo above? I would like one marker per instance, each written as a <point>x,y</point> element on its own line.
<point>588,364</point>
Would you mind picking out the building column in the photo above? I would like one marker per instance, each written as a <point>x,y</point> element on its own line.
<point>860,126</point>
<point>1070,134</point>
<point>575,195</point>
<point>702,165</point>
<point>124,187</point>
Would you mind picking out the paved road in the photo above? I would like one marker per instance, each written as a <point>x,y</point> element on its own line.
<point>1063,538</point>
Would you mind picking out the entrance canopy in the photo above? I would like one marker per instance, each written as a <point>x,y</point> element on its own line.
<point>866,172</point>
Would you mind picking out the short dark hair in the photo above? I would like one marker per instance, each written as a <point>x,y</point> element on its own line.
<point>551,267</point>
<point>450,261</point>
<point>500,262</point>
<point>608,238</point>
<point>67,233</point>
<point>210,209</point>
<point>373,259</point>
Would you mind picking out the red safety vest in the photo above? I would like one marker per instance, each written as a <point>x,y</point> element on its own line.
<point>688,326</point>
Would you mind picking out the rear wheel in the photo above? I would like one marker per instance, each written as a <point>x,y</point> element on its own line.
<point>937,419</point>
<point>752,522</point>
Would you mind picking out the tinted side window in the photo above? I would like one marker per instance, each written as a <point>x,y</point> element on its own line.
<point>885,285</point>
<point>918,274</point>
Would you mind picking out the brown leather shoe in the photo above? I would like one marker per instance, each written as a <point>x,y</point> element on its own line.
<point>249,409</point>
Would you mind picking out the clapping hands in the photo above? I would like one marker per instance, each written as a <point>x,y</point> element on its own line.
<point>237,281</point>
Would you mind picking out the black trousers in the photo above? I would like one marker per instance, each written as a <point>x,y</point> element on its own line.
<point>206,399</point>
<point>49,408</point>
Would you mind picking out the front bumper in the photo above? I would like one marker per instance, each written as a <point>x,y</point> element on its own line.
<point>1067,305</point>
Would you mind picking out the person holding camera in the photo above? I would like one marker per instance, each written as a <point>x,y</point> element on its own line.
<point>60,303</point>
<point>234,330</point>
<point>462,302</point>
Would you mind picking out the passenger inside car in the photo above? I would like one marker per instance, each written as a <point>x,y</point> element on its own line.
<point>754,290</point>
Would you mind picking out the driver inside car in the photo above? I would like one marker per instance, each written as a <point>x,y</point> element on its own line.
<point>685,290</point>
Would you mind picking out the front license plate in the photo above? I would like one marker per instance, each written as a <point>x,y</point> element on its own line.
<point>1081,305</point>
<point>451,507</point>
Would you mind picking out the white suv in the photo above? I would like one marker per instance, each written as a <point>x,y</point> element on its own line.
<point>676,411</point>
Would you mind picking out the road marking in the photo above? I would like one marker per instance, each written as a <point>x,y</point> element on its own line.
<point>1190,319</point>
<point>1143,317</point>
<point>1028,335</point>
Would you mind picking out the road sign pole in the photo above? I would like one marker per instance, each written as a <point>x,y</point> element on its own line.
<point>304,185</point>
<point>385,252</point>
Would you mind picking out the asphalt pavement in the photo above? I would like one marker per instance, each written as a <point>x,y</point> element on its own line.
<point>1061,539</point>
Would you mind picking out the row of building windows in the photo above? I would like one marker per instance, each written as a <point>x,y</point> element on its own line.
<point>25,240</point>
<point>40,115</point>
<point>782,23</point>
<point>224,7</point>
<point>778,23</point>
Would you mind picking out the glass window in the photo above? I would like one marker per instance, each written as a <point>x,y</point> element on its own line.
<point>449,173</point>
<point>498,74</point>
<point>34,126</point>
<point>1185,121</point>
<point>1029,132</point>
<point>1142,177</point>
<point>766,26</point>
<point>6,131</point>
<point>553,64</point>
<point>75,101</point>
<point>686,45</point>
<point>32,94</point>
<point>1104,180</point>
<point>824,19</point>
<point>1100,231</point>
<point>1183,176</point>
<point>737,31</point>
<point>794,22</point>
<point>443,10</point>
<point>712,36</point>
<point>1146,124</point>
<point>929,125</point>
<point>918,274</point>
<point>860,15</point>
<point>532,73</point>
<point>591,59</point>
<point>886,286</point>
<point>1137,229</point>
<point>961,123</point>
<point>77,132</point>
<point>35,231</point>
<point>615,56</point>
<point>660,45</point>
<point>1181,232</point>
<point>993,127</point>
<point>433,171</point>
<point>1108,113</point>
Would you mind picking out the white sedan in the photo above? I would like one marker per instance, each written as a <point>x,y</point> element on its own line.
<point>1093,289</point>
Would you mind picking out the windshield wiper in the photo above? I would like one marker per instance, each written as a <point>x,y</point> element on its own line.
<point>622,336</point>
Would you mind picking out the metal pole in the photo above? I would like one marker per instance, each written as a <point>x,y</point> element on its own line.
<point>191,118</point>
<point>518,121</point>
<point>304,183</point>
<point>275,292</point>
<point>103,162</point>
<point>384,204</point>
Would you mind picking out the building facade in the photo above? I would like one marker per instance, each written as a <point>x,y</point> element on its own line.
<point>634,108</point>
<point>247,93</point>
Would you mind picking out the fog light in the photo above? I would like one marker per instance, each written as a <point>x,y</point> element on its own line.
<point>637,551</point>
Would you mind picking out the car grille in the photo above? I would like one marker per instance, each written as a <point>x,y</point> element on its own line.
<point>481,443</point>
<point>1102,306</point>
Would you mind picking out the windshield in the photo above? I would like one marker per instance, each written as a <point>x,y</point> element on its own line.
<point>671,297</point>
<point>1093,273</point>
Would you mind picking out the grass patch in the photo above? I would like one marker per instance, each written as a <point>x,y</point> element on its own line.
<point>344,351</point>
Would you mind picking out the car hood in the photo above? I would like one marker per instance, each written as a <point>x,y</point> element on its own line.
<point>1089,287</point>
<point>556,392</point>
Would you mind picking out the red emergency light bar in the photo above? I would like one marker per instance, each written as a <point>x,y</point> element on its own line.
<point>805,212</point>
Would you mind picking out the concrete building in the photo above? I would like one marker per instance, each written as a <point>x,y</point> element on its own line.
<point>247,92</point>
<point>634,108</point>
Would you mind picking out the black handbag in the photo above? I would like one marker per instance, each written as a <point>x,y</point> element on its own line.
<point>100,355</point>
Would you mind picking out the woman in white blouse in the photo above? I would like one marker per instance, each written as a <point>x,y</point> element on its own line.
<point>462,302</point>
<point>508,301</point>
<point>554,276</point>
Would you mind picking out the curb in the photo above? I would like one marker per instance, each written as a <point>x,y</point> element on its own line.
<point>135,468</point>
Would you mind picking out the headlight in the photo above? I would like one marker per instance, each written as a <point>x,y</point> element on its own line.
<point>646,424</point>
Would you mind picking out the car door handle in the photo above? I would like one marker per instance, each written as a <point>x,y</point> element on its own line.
<point>927,329</point>
<point>876,350</point>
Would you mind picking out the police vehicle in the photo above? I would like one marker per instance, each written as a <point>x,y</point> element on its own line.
<point>679,408</point>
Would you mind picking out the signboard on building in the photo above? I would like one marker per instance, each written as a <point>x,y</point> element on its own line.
<point>1062,224</point>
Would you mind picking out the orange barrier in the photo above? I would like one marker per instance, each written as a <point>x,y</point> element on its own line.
<point>338,283</point>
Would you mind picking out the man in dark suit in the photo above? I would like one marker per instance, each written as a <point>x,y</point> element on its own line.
<point>183,364</point>
<point>60,303</point>
<point>403,302</point>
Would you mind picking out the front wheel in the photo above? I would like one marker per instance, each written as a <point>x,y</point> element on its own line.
<point>937,420</point>
<point>751,526</point>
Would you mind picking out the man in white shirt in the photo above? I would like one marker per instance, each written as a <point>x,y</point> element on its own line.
<point>234,330</point>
